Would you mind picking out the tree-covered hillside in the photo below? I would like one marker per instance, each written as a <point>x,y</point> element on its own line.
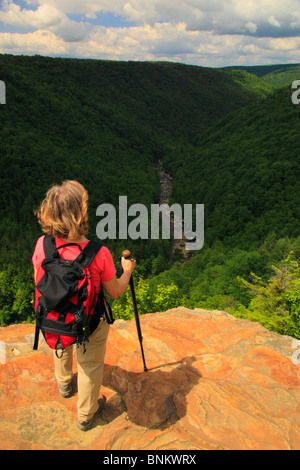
<point>282,77</point>
<point>229,142</point>
<point>101,122</point>
<point>276,76</point>
<point>246,171</point>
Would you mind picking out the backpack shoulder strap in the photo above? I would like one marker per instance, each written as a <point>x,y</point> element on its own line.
<point>50,249</point>
<point>89,252</point>
<point>85,257</point>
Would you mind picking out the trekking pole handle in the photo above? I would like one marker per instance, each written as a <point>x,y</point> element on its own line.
<point>126,254</point>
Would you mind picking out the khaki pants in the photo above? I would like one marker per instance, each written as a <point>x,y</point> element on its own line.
<point>90,367</point>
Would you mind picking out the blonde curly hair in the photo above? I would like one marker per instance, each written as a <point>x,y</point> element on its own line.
<point>63,212</point>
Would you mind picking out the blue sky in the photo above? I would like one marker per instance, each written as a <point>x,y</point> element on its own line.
<point>107,19</point>
<point>212,33</point>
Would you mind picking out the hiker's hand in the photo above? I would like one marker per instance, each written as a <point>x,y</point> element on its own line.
<point>128,264</point>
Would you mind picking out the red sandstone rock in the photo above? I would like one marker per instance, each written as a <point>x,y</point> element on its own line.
<point>214,382</point>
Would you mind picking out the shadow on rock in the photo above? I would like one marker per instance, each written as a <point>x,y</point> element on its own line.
<point>154,398</point>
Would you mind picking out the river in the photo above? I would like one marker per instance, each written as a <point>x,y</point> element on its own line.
<point>166,184</point>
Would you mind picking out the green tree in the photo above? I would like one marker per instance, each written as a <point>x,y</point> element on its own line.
<point>149,299</point>
<point>16,295</point>
<point>276,303</point>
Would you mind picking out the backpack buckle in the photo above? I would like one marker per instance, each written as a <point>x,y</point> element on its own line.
<point>39,311</point>
<point>78,318</point>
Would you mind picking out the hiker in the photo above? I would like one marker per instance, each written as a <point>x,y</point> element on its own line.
<point>63,215</point>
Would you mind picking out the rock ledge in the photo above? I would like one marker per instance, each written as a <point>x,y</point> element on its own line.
<point>214,382</point>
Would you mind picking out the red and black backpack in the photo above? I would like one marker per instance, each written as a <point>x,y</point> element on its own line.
<point>67,307</point>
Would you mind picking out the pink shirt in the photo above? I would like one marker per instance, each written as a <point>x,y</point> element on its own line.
<point>101,268</point>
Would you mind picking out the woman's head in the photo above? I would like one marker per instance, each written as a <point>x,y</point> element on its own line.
<point>63,212</point>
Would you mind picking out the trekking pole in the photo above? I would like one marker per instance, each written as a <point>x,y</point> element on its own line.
<point>126,254</point>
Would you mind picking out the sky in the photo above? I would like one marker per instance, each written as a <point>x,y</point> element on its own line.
<point>209,33</point>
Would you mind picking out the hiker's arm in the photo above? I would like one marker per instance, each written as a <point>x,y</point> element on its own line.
<point>115,287</point>
<point>34,274</point>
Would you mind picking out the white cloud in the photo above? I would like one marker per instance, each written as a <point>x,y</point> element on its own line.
<point>38,42</point>
<point>45,17</point>
<point>251,27</point>
<point>79,7</point>
<point>204,32</point>
<point>274,22</point>
<point>220,16</point>
<point>162,41</point>
<point>295,23</point>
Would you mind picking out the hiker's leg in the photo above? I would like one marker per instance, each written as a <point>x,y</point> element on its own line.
<point>63,367</point>
<point>90,372</point>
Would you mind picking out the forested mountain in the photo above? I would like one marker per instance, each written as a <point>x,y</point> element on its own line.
<point>103,123</point>
<point>230,141</point>
<point>246,171</point>
<point>277,76</point>
<point>283,77</point>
